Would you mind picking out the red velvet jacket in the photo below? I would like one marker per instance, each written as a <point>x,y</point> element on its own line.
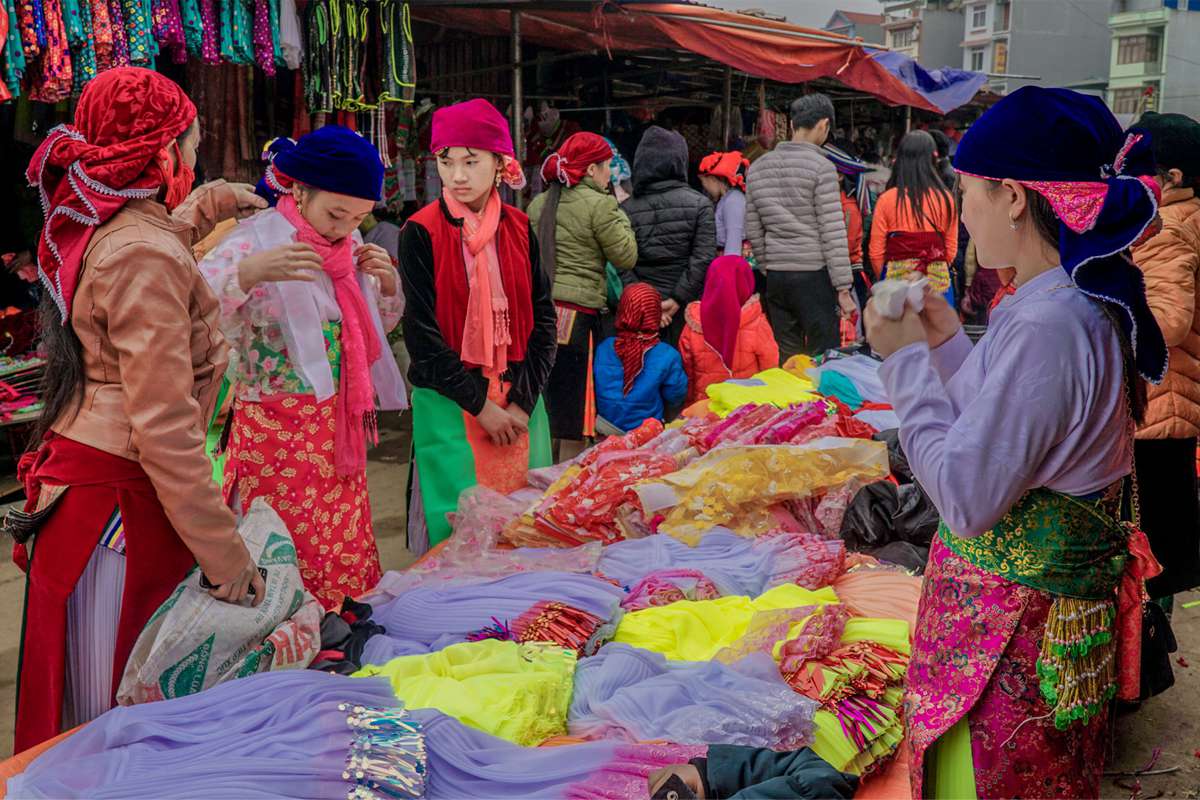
<point>434,277</point>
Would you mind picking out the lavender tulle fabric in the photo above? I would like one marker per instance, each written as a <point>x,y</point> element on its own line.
<point>633,694</point>
<point>466,764</point>
<point>426,619</point>
<point>737,565</point>
<point>272,735</point>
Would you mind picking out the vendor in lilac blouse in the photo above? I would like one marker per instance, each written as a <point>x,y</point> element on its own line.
<point>1022,442</point>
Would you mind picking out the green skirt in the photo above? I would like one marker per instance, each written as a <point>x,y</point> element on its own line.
<point>447,460</point>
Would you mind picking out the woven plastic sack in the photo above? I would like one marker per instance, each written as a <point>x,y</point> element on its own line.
<point>195,641</point>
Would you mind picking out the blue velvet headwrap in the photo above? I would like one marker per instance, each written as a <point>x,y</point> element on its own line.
<point>334,159</point>
<point>268,186</point>
<point>1069,148</point>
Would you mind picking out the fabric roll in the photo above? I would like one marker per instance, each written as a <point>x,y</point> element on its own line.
<point>519,692</point>
<point>467,764</point>
<point>273,735</point>
<point>426,619</point>
<point>626,693</point>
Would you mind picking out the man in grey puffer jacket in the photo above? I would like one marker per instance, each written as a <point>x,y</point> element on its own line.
<point>675,226</point>
<point>795,224</point>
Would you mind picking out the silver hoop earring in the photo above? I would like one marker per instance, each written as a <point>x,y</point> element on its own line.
<point>1012,223</point>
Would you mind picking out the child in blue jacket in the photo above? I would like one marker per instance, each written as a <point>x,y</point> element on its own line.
<point>637,376</point>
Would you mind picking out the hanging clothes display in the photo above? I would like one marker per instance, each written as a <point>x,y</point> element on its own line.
<point>52,79</point>
<point>139,15</point>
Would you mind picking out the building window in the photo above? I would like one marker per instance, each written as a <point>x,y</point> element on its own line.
<point>1142,49</point>
<point>1000,58</point>
<point>978,18</point>
<point>1003,10</point>
<point>1127,101</point>
<point>977,59</point>
<point>902,37</point>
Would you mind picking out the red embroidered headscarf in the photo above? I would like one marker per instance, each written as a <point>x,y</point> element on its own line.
<point>570,162</point>
<point>638,316</point>
<point>727,286</point>
<point>729,167</point>
<point>115,152</point>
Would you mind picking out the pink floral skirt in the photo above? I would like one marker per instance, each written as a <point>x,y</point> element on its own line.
<point>975,652</point>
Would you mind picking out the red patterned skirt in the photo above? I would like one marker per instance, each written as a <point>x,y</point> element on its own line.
<point>282,449</point>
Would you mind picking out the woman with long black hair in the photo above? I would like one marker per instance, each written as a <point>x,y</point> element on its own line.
<point>915,228</point>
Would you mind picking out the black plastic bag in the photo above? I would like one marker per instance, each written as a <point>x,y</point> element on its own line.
<point>882,513</point>
<point>897,461</point>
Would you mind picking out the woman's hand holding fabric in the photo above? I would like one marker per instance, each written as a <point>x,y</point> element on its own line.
<point>889,335</point>
<point>499,424</point>
<point>374,260</point>
<point>290,262</point>
<point>940,320</point>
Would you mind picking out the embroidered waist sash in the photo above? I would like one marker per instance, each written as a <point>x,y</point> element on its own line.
<point>1075,550</point>
<point>923,252</point>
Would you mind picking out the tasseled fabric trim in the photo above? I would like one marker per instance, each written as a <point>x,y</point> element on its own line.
<point>1077,668</point>
<point>386,758</point>
<point>559,623</point>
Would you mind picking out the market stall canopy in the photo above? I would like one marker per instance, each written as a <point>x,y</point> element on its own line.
<point>759,47</point>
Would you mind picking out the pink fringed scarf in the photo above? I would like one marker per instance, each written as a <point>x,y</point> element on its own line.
<point>356,418</point>
<point>486,333</point>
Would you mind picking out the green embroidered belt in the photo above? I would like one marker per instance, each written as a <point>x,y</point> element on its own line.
<point>1050,541</point>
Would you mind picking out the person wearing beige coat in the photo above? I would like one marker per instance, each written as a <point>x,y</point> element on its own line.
<point>1165,446</point>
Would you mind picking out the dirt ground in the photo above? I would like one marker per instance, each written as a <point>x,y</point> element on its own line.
<point>1165,731</point>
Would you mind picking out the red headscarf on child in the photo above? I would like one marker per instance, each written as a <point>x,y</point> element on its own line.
<point>116,151</point>
<point>570,162</point>
<point>638,315</point>
<point>727,287</point>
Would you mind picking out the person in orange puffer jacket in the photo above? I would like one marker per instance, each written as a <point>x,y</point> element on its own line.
<point>1165,445</point>
<point>727,334</point>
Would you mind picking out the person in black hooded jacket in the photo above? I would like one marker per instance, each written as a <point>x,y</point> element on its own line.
<point>675,226</point>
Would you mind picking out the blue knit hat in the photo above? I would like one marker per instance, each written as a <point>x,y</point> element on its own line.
<point>1070,148</point>
<point>334,159</point>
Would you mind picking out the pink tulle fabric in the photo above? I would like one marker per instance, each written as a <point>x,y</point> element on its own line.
<point>627,774</point>
<point>665,586</point>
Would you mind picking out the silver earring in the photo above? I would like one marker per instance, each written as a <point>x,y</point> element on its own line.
<point>1012,223</point>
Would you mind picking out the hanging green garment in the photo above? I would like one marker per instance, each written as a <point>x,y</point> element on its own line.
<point>317,67</point>
<point>13,53</point>
<point>950,765</point>
<point>77,16</point>
<point>276,44</point>
<point>143,49</point>
<point>193,26</point>
<point>212,440</point>
<point>237,33</point>
<point>399,81</point>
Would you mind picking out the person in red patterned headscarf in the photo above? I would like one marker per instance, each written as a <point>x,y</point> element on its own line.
<point>135,360</point>
<point>637,376</point>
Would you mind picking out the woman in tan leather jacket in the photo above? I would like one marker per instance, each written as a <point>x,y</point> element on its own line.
<point>1165,447</point>
<point>120,479</point>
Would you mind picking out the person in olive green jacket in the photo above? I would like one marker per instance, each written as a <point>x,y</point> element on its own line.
<point>580,228</point>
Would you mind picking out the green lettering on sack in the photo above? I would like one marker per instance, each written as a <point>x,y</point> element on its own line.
<point>277,550</point>
<point>168,604</point>
<point>187,676</point>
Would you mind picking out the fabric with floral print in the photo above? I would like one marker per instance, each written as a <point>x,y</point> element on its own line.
<point>282,449</point>
<point>53,79</point>
<point>975,651</point>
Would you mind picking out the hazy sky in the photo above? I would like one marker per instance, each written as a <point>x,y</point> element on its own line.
<point>813,13</point>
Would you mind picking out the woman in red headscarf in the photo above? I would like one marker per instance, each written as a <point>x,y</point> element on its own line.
<point>478,325</point>
<point>121,500</point>
<point>723,176</point>
<point>637,376</point>
<point>580,228</point>
<point>727,334</point>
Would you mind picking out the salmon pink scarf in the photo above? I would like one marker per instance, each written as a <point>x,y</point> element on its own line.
<point>356,418</point>
<point>486,332</point>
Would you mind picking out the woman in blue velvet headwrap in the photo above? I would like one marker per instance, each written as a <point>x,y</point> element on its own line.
<point>1030,618</point>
